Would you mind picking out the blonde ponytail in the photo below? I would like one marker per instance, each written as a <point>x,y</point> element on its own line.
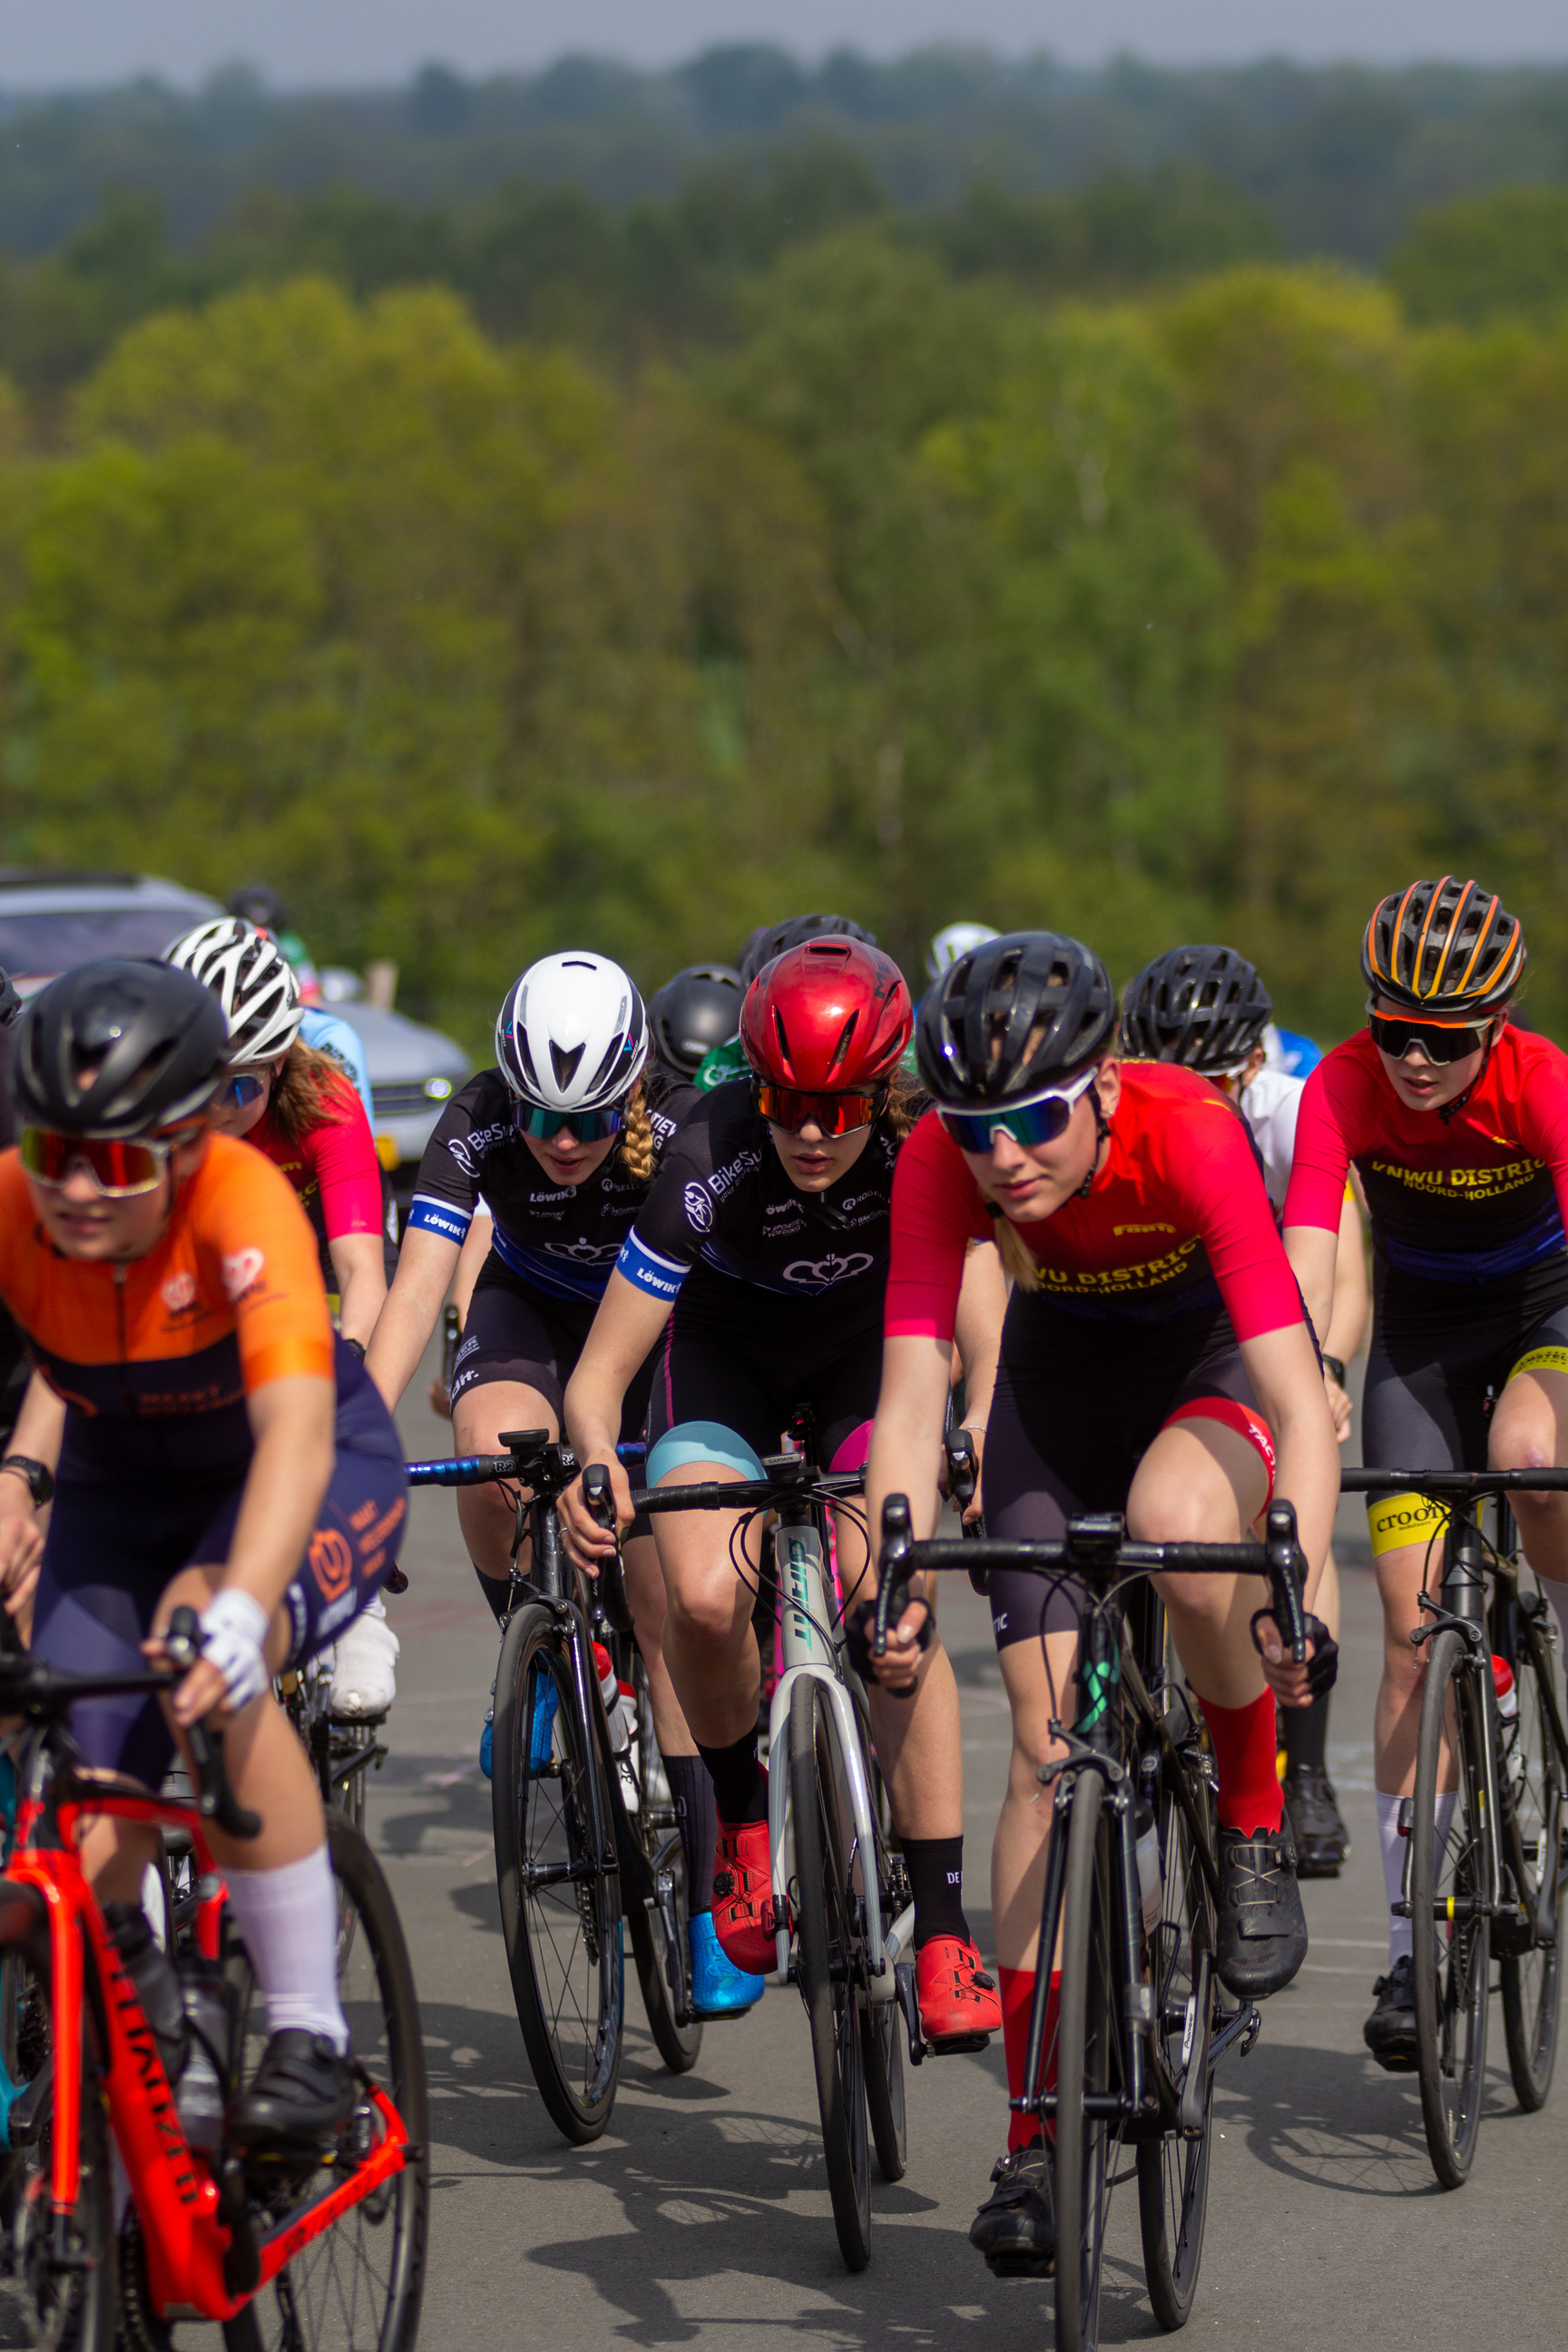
<point>1017,1259</point>
<point>637,1139</point>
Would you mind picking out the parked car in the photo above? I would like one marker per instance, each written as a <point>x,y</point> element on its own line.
<point>49,921</point>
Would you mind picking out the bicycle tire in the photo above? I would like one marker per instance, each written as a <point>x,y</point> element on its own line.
<point>1451,1962</point>
<point>662,1974</point>
<point>830,1976</point>
<point>881,2030</point>
<point>564,1943</point>
<point>1173,2170</point>
<point>1084,2064</point>
<point>71,2308</point>
<point>358,2286</point>
<point>1532,1979</point>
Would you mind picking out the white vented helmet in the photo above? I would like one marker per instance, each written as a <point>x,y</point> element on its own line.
<point>250,976</point>
<point>956,940</point>
<point>571,1033</point>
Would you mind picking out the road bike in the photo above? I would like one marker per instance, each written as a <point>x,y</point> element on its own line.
<point>585,1829</point>
<point>321,2254</point>
<point>839,1889</point>
<point>1132,1892</point>
<point>1491,1888</point>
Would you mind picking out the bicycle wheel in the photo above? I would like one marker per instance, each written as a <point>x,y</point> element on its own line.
<point>1531,1977</point>
<point>357,2287</point>
<point>559,1898</point>
<point>829,1961</point>
<point>882,2022</point>
<point>1173,2170</point>
<point>1089,2064</point>
<point>659,1944</point>
<point>1452,1942</point>
<point>75,2307</point>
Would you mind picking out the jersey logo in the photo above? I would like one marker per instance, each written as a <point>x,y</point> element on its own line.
<point>699,1207</point>
<point>582,1252</point>
<point>179,1292</point>
<point>1143,1229</point>
<point>819,1273</point>
<point>331,1561</point>
<point>240,1271</point>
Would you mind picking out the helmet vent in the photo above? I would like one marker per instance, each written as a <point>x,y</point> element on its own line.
<point>563,1061</point>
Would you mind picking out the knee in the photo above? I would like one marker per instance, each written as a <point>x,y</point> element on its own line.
<point>702,1610</point>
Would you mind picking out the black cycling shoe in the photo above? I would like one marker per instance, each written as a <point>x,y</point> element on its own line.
<point>1262,1927</point>
<point>1015,2229</point>
<point>1317,1827</point>
<point>1390,2031</point>
<point>302,2095</point>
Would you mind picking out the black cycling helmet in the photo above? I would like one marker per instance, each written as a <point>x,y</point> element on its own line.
<point>699,1009</point>
<point>118,1049</point>
<point>1443,946</point>
<point>1206,1007</point>
<point>763,946</point>
<point>10,1002</point>
<point>1013,1017</point>
<point>259,903</point>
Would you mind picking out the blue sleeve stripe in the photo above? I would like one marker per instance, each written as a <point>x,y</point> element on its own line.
<point>428,1215</point>
<point>661,1277</point>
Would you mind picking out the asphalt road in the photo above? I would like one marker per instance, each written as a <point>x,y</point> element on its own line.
<point>702,2218</point>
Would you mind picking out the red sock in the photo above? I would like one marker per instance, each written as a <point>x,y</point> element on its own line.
<point>1017,2000</point>
<point>1244,1746</point>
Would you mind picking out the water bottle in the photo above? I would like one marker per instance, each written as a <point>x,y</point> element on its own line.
<point>209,2004</point>
<point>1507,1691</point>
<point>1151,1885</point>
<point>619,1701</point>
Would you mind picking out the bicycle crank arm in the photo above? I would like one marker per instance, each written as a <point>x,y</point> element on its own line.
<point>1195,2040</point>
<point>908,2002</point>
<point>1244,2027</point>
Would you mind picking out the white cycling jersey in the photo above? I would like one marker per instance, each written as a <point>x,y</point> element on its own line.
<point>1269,1106</point>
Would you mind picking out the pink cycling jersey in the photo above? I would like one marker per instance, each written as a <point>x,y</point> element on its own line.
<point>333,1166</point>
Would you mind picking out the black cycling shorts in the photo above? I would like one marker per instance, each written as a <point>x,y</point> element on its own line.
<point>113,1549</point>
<point>1079,1402</point>
<point>514,1332</point>
<point>740,1359</point>
<point>1437,1349</point>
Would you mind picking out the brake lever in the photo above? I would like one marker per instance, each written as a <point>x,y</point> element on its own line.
<point>599,1497</point>
<point>1284,1550</point>
<point>893,1583</point>
<point>216,1800</point>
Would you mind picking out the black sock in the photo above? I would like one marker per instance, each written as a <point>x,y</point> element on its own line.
<point>936,1881</point>
<point>697,1817</point>
<point>497,1591</point>
<point>1306,1736</point>
<point>740,1783</point>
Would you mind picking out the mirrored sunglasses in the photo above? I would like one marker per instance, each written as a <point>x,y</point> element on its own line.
<point>1045,1119</point>
<point>587,1126</point>
<point>1440,1041</point>
<point>834,1115</point>
<point>241,1091</point>
<point>117,1168</point>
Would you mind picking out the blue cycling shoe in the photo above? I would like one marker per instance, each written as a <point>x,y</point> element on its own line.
<point>719,1988</point>
<point>542,1736</point>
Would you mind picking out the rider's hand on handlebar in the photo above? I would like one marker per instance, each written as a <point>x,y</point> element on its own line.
<point>21,1550</point>
<point>587,1543</point>
<point>1285,1678</point>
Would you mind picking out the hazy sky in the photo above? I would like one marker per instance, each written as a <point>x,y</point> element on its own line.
<point>55,42</point>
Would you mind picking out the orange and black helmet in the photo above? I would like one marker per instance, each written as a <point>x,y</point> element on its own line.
<point>1444,946</point>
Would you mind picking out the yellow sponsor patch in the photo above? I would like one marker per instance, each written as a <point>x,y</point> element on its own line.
<point>1541,1360</point>
<point>1394,1520</point>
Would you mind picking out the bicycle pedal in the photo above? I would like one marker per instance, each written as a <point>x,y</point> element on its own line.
<point>1021,2266</point>
<point>955,2046</point>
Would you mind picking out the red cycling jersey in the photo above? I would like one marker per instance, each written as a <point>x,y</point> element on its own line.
<point>1478,1196</point>
<point>333,1166</point>
<point>1176,1220</point>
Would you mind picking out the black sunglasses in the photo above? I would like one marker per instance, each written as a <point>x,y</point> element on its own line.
<point>1440,1041</point>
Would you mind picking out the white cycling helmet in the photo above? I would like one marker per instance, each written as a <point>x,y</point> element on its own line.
<point>571,1033</point>
<point>957,939</point>
<point>251,977</point>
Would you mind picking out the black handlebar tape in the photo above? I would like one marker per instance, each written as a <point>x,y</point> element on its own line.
<point>1471,1486</point>
<point>597,1495</point>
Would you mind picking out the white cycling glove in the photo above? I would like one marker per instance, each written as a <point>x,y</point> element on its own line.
<point>236,1627</point>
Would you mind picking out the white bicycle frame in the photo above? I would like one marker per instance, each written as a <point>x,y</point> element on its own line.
<point>805,1620</point>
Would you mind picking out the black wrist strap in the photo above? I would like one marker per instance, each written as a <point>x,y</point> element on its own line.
<point>1334,1366</point>
<point>40,1478</point>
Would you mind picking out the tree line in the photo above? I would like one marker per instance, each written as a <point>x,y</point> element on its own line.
<point>1208,614</point>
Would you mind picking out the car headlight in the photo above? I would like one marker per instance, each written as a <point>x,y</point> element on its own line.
<point>438,1089</point>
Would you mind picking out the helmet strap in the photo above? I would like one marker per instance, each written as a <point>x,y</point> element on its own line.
<point>1101,1136</point>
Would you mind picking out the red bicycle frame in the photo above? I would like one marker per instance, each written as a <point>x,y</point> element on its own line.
<point>201,2259</point>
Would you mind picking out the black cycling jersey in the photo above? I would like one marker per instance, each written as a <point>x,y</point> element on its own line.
<point>722,1208</point>
<point>564,1239</point>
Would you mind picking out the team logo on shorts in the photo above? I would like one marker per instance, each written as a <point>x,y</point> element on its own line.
<point>240,1272</point>
<point>331,1562</point>
<point>179,1293</point>
<point>699,1207</point>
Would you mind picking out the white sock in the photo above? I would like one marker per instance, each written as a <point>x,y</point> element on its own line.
<point>288,1919</point>
<point>1401,1936</point>
<point>376,1607</point>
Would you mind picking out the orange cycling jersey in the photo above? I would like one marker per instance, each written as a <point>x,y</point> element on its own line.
<point>229,1299</point>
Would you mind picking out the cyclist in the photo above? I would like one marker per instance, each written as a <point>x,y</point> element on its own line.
<point>558,1141</point>
<point>1206,1008</point>
<point>297,1105</point>
<point>1155,1361</point>
<point>218,1447</point>
<point>729,1061</point>
<point>1457,1122</point>
<point>764,1248</point>
<point>954,940</point>
<point>693,1013</point>
<point>259,903</point>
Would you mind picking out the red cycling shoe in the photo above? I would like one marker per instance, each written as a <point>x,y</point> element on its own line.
<point>743,1897</point>
<point>960,2009</point>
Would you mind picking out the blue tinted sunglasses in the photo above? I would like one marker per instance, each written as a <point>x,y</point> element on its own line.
<point>241,1092</point>
<point>587,1126</point>
<point>1043,1120</point>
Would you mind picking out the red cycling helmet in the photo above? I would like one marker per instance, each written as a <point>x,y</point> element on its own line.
<point>831,1017</point>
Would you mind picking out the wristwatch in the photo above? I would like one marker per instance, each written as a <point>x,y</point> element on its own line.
<point>1334,1369</point>
<point>40,1478</point>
